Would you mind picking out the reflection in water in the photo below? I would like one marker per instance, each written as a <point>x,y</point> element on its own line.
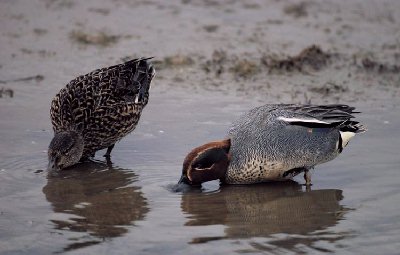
<point>264,210</point>
<point>99,200</point>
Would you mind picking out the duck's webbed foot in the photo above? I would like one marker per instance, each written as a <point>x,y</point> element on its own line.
<point>108,161</point>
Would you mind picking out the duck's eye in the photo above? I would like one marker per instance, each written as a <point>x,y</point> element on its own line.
<point>203,164</point>
<point>208,158</point>
<point>197,166</point>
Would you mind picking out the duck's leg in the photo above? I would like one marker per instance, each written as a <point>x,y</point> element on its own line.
<point>307,177</point>
<point>108,153</point>
<point>108,162</point>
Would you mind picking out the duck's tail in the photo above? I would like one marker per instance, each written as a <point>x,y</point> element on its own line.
<point>144,74</point>
<point>347,131</point>
<point>352,126</point>
<point>135,77</point>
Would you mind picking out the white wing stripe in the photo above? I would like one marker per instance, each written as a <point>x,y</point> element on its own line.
<point>289,120</point>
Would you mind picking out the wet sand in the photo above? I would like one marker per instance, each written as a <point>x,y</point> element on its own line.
<point>215,60</point>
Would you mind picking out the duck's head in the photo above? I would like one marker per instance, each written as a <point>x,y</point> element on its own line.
<point>206,163</point>
<point>65,150</point>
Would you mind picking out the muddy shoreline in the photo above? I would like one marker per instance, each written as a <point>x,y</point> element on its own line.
<point>265,49</point>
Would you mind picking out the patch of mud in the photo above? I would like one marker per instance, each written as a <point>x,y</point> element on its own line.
<point>40,31</point>
<point>251,6</point>
<point>245,68</point>
<point>59,4</point>
<point>37,78</point>
<point>100,38</point>
<point>371,65</point>
<point>290,78</point>
<point>211,28</point>
<point>40,53</point>
<point>174,61</point>
<point>217,63</point>
<point>297,10</point>
<point>313,58</point>
<point>102,11</point>
<point>221,62</point>
<point>329,89</point>
<point>178,60</point>
<point>5,92</point>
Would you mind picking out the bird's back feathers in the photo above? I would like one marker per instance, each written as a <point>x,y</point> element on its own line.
<point>105,104</point>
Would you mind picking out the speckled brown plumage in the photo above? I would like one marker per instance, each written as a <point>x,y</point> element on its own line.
<point>103,106</point>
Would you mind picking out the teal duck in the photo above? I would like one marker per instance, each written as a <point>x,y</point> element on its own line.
<point>272,143</point>
<point>96,110</point>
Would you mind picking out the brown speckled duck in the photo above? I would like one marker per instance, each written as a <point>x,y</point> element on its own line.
<point>273,142</point>
<point>96,110</point>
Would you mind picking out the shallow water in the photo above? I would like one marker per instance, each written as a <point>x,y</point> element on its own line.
<point>130,206</point>
<point>133,206</point>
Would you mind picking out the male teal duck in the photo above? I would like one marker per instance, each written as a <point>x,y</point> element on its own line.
<point>273,142</point>
<point>96,110</point>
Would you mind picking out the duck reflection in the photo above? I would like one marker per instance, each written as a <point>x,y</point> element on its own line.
<point>99,199</point>
<point>263,210</point>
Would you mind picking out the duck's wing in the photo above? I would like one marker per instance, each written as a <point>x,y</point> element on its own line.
<point>320,116</point>
<point>131,80</point>
<point>126,82</point>
<point>79,100</point>
<point>109,124</point>
<point>291,136</point>
<point>286,136</point>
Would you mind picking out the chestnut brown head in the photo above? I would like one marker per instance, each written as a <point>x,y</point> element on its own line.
<point>206,163</point>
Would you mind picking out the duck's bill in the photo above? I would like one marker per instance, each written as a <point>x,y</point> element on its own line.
<point>184,180</point>
<point>52,166</point>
